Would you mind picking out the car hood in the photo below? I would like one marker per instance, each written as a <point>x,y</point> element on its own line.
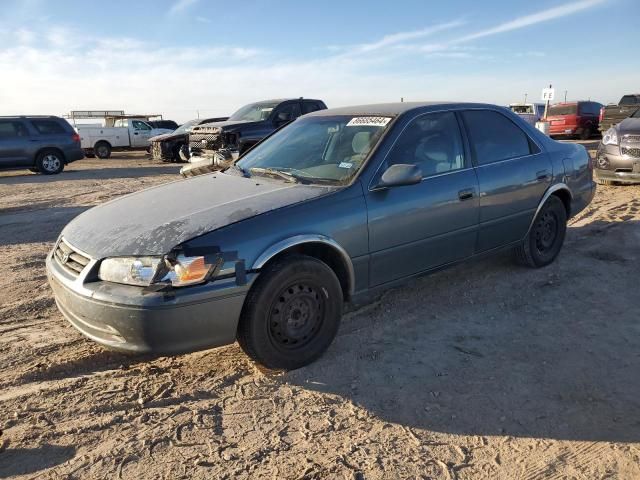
<point>226,125</point>
<point>167,136</point>
<point>153,221</point>
<point>629,125</point>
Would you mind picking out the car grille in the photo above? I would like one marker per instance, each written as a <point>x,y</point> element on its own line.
<point>205,141</point>
<point>631,138</point>
<point>69,258</point>
<point>632,152</point>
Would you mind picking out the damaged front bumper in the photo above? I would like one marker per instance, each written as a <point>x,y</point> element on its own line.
<point>129,318</point>
<point>199,165</point>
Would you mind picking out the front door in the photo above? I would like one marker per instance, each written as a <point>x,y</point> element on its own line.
<point>513,173</point>
<point>419,227</point>
<point>141,133</point>
<point>14,144</point>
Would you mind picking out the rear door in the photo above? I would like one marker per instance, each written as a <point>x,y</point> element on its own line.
<point>513,174</point>
<point>419,227</point>
<point>15,144</point>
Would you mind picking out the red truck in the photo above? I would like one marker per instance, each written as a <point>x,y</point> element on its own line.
<point>576,119</point>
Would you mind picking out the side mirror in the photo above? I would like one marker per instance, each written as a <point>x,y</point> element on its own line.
<point>399,175</point>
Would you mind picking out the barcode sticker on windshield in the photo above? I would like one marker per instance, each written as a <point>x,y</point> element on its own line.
<point>368,121</point>
<point>345,165</point>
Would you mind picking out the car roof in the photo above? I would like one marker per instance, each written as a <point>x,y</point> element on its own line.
<point>392,109</point>
<point>30,116</point>
<point>280,100</point>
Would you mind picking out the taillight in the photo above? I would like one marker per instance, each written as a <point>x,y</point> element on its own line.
<point>75,138</point>
<point>601,117</point>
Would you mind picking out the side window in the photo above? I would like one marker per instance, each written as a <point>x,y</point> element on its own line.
<point>138,125</point>
<point>494,137</point>
<point>431,141</point>
<point>287,112</point>
<point>308,107</point>
<point>12,129</point>
<point>48,127</point>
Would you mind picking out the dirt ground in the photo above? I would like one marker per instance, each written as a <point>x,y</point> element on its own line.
<point>484,371</point>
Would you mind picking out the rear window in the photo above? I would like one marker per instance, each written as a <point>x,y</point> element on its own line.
<point>563,110</point>
<point>630,100</point>
<point>494,137</point>
<point>48,127</point>
<point>308,107</point>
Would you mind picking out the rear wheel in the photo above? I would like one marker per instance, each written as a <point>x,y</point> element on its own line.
<point>102,150</point>
<point>291,314</point>
<point>50,162</point>
<point>546,236</point>
<point>586,134</point>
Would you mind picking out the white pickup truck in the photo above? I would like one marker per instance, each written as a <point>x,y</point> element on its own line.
<point>126,134</point>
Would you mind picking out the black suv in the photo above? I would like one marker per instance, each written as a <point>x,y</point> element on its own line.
<point>214,145</point>
<point>41,144</point>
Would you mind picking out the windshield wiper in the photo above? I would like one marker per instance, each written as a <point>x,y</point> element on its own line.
<point>276,173</point>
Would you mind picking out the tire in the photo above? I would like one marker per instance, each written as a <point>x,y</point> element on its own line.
<point>586,134</point>
<point>176,154</point>
<point>50,162</point>
<point>292,313</point>
<point>546,236</point>
<point>102,150</point>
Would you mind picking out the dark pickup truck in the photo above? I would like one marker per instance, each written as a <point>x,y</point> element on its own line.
<point>611,115</point>
<point>214,145</point>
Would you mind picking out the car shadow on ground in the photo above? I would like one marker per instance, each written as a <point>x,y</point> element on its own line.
<point>547,353</point>
<point>24,461</point>
<point>93,174</point>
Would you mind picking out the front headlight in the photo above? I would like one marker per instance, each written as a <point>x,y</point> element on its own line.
<point>129,270</point>
<point>610,137</point>
<point>183,270</point>
<point>180,271</point>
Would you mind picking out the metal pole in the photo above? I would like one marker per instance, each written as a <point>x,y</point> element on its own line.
<point>525,97</point>
<point>565,96</point>
<point>546,106</point>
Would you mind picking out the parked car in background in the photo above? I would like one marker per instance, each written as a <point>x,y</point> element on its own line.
<point>611,115</point>
<point>618,156</point>
<point>174,146</point>
<point>40,143</point>
<point>126,134</point>
<point>576,119</point>
<point>529,112</point>
<point>214,146</point>
<point>335,206</point>
<point>164,124</point>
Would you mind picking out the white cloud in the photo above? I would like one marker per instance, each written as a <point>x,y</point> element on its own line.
<point>528,20</point>
<point>181,5</point>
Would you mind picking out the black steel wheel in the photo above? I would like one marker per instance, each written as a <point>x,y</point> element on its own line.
<point>546,236</point>
<point>291,314</point>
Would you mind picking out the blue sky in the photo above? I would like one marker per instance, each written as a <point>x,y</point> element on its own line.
<point>178,57</point>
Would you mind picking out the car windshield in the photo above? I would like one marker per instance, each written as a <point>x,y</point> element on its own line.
<point>571,109</point>
<point>630,100</point>
<point>254,112</point>
<point>319,149</point>
<point>186,127</point>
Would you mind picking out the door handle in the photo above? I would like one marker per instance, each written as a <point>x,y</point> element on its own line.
<point>542,174</point>
<point>135,133</point>
<point>465,194</point>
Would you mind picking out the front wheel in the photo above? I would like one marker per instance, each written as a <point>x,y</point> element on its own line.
<point>546,236</point>
<point>586,134</point>
<point>291,314</point>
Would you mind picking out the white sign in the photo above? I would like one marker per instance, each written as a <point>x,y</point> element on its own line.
<point>368,121</point>
<point>548,94</point>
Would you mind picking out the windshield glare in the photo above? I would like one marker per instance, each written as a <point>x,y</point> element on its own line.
<point>254,112</point>
<point>318,149</point>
